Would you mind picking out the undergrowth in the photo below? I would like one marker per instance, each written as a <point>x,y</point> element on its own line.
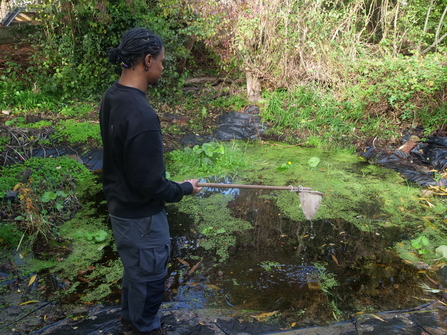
<point>208,159</point>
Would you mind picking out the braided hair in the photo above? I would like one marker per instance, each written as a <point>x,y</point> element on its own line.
<point>135,45</point>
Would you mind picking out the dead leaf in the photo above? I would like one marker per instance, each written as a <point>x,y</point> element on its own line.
<point>334,259</point>
<point>264,315</point>
<point>378,318</point>
<point>194,268</point>
<point>31,280</point>
<point>85,280</point>
<point>184,262</point>
<point>213,287</point>
<point>29,302</point>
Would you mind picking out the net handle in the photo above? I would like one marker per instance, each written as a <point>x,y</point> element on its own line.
<point>260,187</point>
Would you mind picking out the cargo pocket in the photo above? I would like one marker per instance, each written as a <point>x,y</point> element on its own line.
<point>154,261</point>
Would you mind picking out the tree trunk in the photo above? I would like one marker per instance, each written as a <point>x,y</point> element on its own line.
<point>253,86</point>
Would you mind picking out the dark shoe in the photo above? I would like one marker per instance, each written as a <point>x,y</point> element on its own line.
<point>159,331</point>
<point>126,326</point>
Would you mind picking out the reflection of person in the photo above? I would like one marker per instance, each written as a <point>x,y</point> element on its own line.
<point>134,179</point>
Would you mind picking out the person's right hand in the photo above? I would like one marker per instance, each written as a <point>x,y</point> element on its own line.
<point>195,188</point>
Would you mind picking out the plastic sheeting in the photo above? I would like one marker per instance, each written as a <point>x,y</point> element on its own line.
<point>424,164</point>
<point>239,126</point>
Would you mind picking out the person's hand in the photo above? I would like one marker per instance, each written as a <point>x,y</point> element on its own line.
<point>195,188</point>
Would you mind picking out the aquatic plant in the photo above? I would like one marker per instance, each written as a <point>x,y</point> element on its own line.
<point>213,158</point>
<point>268,265</point>
<point>215,226</point>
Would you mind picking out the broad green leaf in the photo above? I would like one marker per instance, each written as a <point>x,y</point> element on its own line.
<point>89,236</point>
<point>441,251</point>
<point>208,148</point>
<point>100,235</point>
<point>61,194</point>
<point>416,243</point>
<point>313,161</point>
<point>425,241</point>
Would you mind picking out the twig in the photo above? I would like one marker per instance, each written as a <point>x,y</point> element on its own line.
<point>20,243</point>
<point>8,146</point>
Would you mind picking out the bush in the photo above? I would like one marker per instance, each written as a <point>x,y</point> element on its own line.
<point>73,39</point>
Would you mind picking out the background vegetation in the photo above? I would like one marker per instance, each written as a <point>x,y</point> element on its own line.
<point>333,63</point>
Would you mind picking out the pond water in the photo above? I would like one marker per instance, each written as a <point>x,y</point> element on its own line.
<point>303,271</point>
<point>254,253</point>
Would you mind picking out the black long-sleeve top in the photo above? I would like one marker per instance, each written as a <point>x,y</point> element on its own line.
<point>134,176</point>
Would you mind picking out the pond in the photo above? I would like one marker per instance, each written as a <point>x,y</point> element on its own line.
<point>308,272</point>
<point>254,253</point>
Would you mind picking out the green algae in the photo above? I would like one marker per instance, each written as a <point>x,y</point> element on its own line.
<point>365,195</point>
<point>213,223</point>
<point>84,252</point>
<point>368,196</point>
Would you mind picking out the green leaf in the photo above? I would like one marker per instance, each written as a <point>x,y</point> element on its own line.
<point>61,194</point>
<point>441,251</point>
<point>425,241</point>
<point>48,196</point>
<point>220,231</point>
<point>207,230</point>
<point>416,243</point>
<point>89,236</point>
<point>100,235</point>
<point>208,148</point>
<point>313,161</point>
<point>197,150</point>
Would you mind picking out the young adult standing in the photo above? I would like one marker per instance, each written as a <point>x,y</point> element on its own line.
<point>134,179</point>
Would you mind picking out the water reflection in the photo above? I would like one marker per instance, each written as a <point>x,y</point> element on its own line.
<point>286,265</point>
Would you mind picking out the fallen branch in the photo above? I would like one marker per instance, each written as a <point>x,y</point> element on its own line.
<point>212,80</point>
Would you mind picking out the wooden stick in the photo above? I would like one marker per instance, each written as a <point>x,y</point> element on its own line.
<point>259,187</point>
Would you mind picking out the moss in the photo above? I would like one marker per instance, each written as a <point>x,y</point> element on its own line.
<point>103,290</point>
<point>84,251</point>
<point>103,279</point>
<point>9,235</point>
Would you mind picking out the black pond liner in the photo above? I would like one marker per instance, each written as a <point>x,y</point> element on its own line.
<point>428,318</point>
<point>239,126</point>
<point>419,165</point>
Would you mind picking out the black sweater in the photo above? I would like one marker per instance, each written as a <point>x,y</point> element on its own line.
<point>134,176</point>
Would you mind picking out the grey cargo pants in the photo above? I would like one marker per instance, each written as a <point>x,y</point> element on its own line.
<point>144,247</point>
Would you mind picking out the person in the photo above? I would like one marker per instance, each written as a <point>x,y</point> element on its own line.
<point>134,180</point>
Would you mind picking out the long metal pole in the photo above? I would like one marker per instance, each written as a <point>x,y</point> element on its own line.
<point>259,187</point>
